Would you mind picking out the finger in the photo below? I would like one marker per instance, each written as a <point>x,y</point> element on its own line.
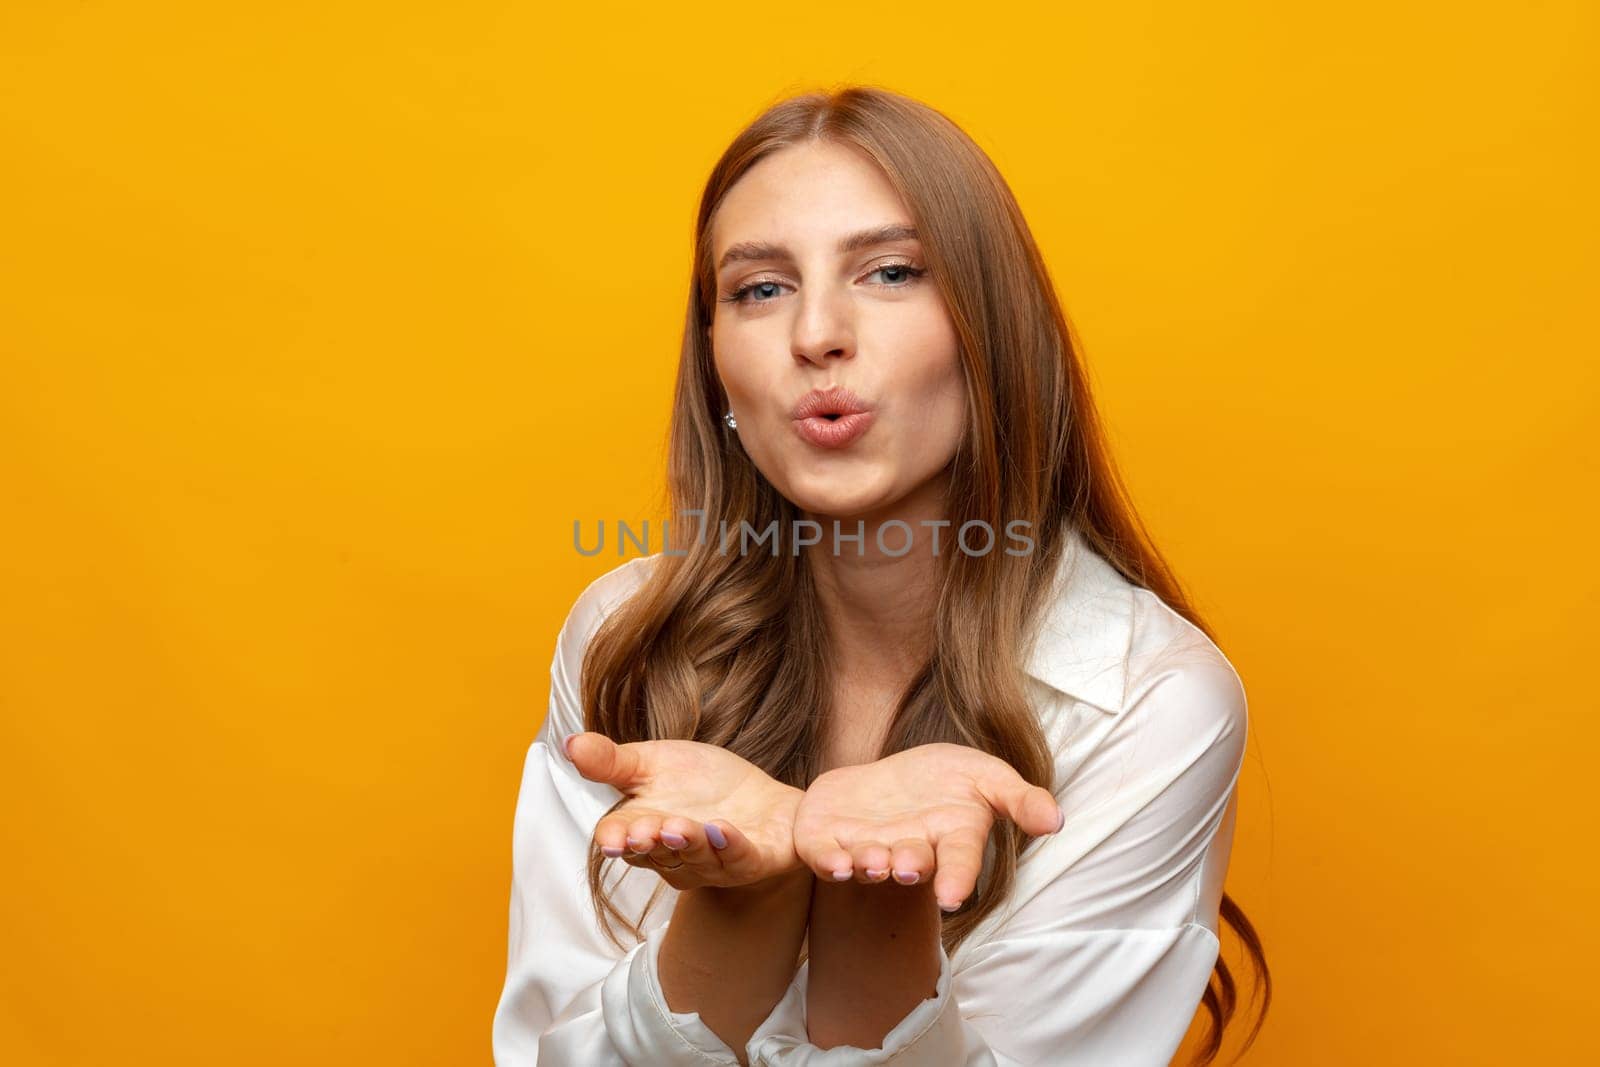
<point>657,860</point>
<point>680,834</point>
<point>830,862</point>
<point>871,862</point>
<point>912,860</point>
<point>600,759</point>
<point>682,841</point>
<point>736,852</point>
<point>1033,808</point>
<point>695,846</point>
<point>960,859</point>
<point>611,833</point>
<point>642,831</point>
<point>672,843</point>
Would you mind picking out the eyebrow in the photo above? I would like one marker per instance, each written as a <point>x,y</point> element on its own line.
<point>877,235</point>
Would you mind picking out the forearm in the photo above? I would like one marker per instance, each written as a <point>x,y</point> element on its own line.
<point>874,956</point>
<point>730,954</point>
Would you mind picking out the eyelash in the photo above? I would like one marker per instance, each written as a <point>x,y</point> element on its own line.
<point>738,295</point>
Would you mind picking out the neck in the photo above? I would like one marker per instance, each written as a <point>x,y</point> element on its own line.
<point>879,607</point>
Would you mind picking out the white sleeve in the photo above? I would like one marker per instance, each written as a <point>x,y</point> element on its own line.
<point>572,998</point>
<point>1108,940</point>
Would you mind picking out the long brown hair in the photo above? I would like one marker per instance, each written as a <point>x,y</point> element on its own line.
<point>727,648</point>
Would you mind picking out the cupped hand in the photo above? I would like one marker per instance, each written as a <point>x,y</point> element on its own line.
<point>923,812</point>
<point>724,819</point>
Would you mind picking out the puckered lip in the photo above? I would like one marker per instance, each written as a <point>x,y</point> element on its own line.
<point>834,400</point>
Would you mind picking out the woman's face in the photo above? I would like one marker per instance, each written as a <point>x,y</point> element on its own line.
<point>819,310</point>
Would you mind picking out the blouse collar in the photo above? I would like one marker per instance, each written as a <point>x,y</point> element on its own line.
<point>1085,631</point>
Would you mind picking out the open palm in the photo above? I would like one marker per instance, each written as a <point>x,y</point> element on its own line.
<point>922,812</point>
<point>724,819</point>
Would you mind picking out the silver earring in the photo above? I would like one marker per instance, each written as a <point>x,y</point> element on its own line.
<point>733,423</point>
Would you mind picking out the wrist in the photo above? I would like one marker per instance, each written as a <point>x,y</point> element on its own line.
<point>776,887</point>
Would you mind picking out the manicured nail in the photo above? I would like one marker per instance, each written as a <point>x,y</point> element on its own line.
<point>950,907</point>
<point>672,840</point>
<point>875,873</point>
<point>907,877</point>
<point>1063,821</point>
<point>843,875</point>
<point>715,835</point>
<point>639,846</point>
<point>609,851</point>
<point>566,745</point>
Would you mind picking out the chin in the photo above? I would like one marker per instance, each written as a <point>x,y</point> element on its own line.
<point>842,502</point>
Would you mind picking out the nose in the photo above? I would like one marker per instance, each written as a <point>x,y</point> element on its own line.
<point>822,328</point>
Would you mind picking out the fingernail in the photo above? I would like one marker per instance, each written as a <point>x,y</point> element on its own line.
<point>609,851</point>
<point>566,745</point>
<point>843,875</point>
<point>950,907</point>
<point>672,840</point>
<point>639,846</point>
<point>715,835</point>
<point>907,877</point>
<point>1063,821</point>
<point>875,873</point>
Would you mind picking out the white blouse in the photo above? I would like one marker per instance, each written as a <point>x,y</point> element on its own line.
<point>1099,956</point>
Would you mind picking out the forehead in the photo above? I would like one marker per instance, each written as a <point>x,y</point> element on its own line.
<point>814,191</point>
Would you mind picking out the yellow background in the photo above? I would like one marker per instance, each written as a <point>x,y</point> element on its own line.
<point>320,324</point>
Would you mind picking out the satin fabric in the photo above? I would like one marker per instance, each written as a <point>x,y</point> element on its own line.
<point>1100,954</point>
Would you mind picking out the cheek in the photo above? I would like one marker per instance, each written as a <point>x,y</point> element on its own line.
<point>733,364</point>
<point>939,386</point>
<point>947,414</point>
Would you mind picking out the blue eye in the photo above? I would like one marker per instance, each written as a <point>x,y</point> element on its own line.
<point>911,273</point>
<point>738,295</point>
<point>906,272</point>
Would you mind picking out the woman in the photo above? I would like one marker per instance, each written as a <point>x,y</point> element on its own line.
<point>922,748</point>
